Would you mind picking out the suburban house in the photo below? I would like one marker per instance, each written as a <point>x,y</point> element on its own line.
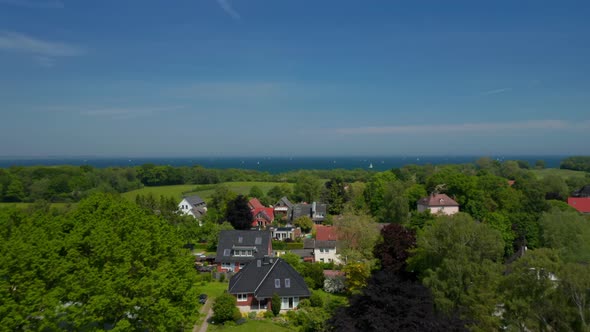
<point>580,200</point>
<point>323,251</point>
<point>438,204</point>
<point>316,211</point>
<point>236,249</point>
<point>256,283</point>
<point>326,233</point>
<point>284,233</point>
<point>193,205</point>
<point>262,216</point>
<point>283,208</point>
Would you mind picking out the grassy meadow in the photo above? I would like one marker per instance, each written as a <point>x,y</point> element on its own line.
<point>564,173</point>
<point>251,326</point>
<point>204,191</point>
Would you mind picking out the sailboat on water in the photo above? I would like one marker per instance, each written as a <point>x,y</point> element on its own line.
<point>370,165</point>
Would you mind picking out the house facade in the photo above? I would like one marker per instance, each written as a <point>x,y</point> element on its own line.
<point>438,204</point>
<point>262,216</point>
<point>256,283</point>
<point>323,251</point>
<point>193,206</point>
<point>236,249</point>
<point>283,209</point>
<point>284,233</point>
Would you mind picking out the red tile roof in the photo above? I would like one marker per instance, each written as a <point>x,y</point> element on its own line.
<point>255,204</point>
<point>582,204</point>
<point>256,207</point>
<point>438,200</point>
<point>326,233</point>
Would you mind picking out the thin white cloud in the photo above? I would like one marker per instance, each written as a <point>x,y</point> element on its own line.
<point>458,128</point>
<point>227,7</point>
<point>127,112</point>
<point>18,42</point>
<point>33,4</point>
<point>229,90</point>
<point>495,92</point>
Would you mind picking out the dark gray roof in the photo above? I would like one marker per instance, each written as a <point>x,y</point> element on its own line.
<point>258,241</point>
<point>284,201</point>
<point>302,252</point>
<point>300,210</point>
<point>583,192</point>
<point>313,244</point>
<point>303,209</point>
<point>195,200</point>
<point>259,277</point>
<point>286,229</point>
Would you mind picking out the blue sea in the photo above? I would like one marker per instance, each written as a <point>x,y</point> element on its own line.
<point>273,165</point>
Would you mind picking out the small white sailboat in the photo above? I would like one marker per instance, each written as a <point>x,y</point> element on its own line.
<point>371,165</point>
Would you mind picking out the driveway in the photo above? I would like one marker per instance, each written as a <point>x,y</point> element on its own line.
<point>205,309</point>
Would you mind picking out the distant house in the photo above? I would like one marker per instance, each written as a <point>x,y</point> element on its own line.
<point>283,208</point>
<point>284,233</point>
<point>262,216</point>
<point>316,211</point>
<point>256,283</point>
<point>236,249</point>
<point>323,251</point>
<point>438,204</point>
<point>580,199</point>
<point>326,233</point>
<point>193,205</point>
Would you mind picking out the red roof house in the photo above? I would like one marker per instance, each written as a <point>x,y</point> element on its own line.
<point>438,204</point>
<point>326,233</point>
<point>261,215</point>
<point>582,204</point>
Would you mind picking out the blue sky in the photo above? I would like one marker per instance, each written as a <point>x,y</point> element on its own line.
<point>268,78</point>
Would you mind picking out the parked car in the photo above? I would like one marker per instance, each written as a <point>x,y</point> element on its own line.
<point>202,298</point>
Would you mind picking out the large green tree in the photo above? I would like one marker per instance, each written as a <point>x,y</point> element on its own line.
<point>307,187</point>
<point>459,260</point>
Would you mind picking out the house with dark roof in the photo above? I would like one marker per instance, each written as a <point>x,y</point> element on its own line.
<point>193,205</point>
<point>324,251</point>
<point>580,200</point>
<point>254,285</point>
<point>262,216</point>
<point>287,232</point>
<point>438,204</point>
<point>236,249</point>
<point>316,211</point>
<point>283,208</point>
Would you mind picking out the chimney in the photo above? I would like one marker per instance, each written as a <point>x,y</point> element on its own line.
<point>313,207</point>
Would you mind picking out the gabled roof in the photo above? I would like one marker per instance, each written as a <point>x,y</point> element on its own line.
<point>254,203</point>
<point>259,278</point>
<point>326,233</point>
<point>317,244</point>
<point>194,200</point>
<point>258,241</point>
<point>582,192</point>
<point>437,200</point>
<point>284,201</point>
<point>582,204</point>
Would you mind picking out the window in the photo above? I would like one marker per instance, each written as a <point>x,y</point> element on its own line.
<point>242,297</point>
<point>259,263</point>
<point>240,239</point>
<point>277,283</point>
<point>258,240</point>
<point>226,252</point>
<point>287,283</point>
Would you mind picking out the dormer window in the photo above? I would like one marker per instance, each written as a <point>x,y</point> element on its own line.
<point>277,283</point>
<point>287,283</point>
<point>226,252</point>
<point>240,239</point>
<point>258,241</point>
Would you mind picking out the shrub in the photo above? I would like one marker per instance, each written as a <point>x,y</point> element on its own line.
<point>224,309</point>
<point>268,314</point>
<point>222,277</point>
<point>303,304</point>
<point>334,285</point>
<point>316,300</point>
<point>275,304</point>
<point>252,315</point>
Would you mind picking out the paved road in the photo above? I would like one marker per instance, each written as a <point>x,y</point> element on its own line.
<point>205,324</point>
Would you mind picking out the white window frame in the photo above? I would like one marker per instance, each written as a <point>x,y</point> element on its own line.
<point>242,297</point>
<point>277,283</point>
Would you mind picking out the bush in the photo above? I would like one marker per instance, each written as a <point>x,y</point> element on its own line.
<point>268,314</point>
<point>316,300</point>
<point>252,315</point>
<point>305,303</point>
<point>222,277</point>
<point>334,285</point>
<point>275,304</point>
<point>224,309</point>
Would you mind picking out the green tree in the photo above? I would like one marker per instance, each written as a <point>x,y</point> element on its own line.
<point>575,285</point>
<point>221,196</point>
<point>277,192</point>
<point>335,195</point>
<point>275,305</point>
<point>395,204</point>
<point>224,309</point>
<point>15,191</point>
<point>414,193</point>
<point>540,164</point>
<point>357,274</point>
<point>357,236</point>
<point>307,187</point>
<point>238,213</point>
<point>375,190</point>
<point>256,192</point>
<point>304,222</point>
<point>459,260</point>
<point>568,233</point>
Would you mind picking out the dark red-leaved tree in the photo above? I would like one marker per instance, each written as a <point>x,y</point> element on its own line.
<point>238,213</point>
<point>393,251</point>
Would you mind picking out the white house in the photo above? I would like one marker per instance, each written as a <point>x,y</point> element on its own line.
<point>438,204</point>
<point>194,206</point>
<point>323,251</point>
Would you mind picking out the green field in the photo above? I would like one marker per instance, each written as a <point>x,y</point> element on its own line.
<point>25,205</point>
<point>564,173</point>
<point>204,191</point>
<point>251,326</point>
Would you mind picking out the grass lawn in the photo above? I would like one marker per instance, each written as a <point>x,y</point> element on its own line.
<point>251,326</point>
<point>564,173</point>
<point>204,191</point>
<point>213,289</point>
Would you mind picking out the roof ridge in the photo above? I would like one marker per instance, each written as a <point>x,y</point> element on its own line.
<point>265,276</point>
